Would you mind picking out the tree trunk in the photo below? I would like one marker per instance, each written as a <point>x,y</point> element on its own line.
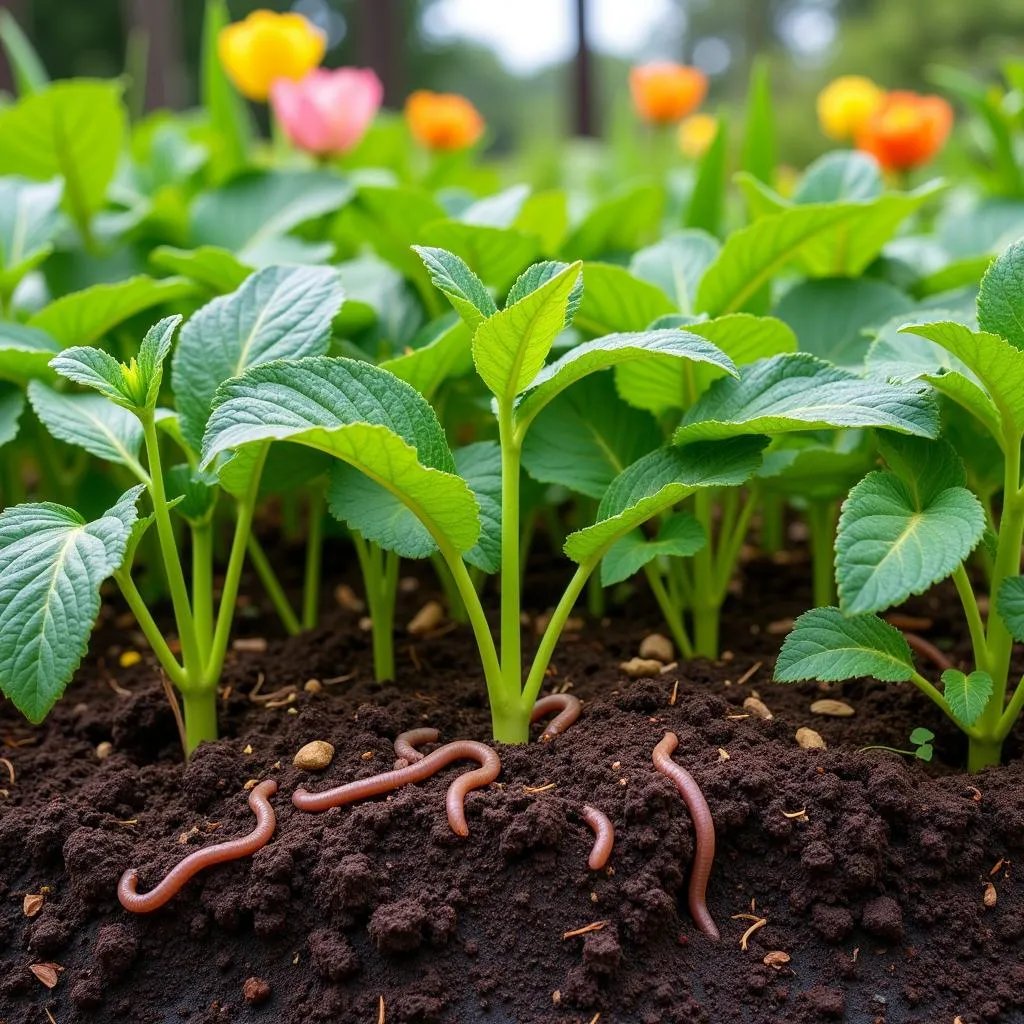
<point>583,74</point>
<point>381,34</point>
<point>160,21</point>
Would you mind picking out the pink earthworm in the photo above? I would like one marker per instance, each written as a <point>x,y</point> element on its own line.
<point>604,832</point>
<point>459,750</point>
<point>703,827</point>
<point>928,650</point>
<point>407,742</point>
<point>566,704</point>
<point>266,822</point>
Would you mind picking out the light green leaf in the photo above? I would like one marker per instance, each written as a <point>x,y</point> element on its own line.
<point>799,392</point>
<point>706,204</point>
<point>12,404</point>
<point>480,466</point>
<point>1001,299</point>
<point>154,350</point>
<point>510,347</point>
<point>93,368</point>
<point>676,264</point>
<point>91,422</point>
<point>73,129</point>
<point>967,696</point>
<point>827,645</point>
<point>1010,605</point>
<point>660,480</point>
<point>614,301</point>
<point>83,318</point>
<point>586,437</point>
<point>463,289</point>
<point>760,136</point>
<point>840,176</point>
<point>546,215</point>
<point>498,211</point>
<point>444,355</point>
<point>29,222</point>
<point>210,266</point>
<point>279,313</point>
<point>622,223</point>
<point>679,537</point>
<point>358,413</point>
<point>495,255</point>
<point>193,493</point>
<point>25,352</point>
<point>52,564</point>
<point>540,273</point>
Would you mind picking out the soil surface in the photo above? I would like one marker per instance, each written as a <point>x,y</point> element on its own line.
<point>873,873</point>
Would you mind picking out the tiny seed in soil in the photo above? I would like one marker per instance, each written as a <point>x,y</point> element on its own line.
<point>104,749</point>
<point>250,645</point>
<point>832,708</point>
<point>46,973</point>
<point>616,765</point>
<point>556,997</point>
<point>315,756</point>
<point>723,754</point>
<point>809,739</point>
<point>367,755</point>
<point>366,623</point>
<point>998,866</point>
<point>250,784</point>
<point>990,896</point>
<point>313,686</point>
<point>657,647</point>
<point>427,619</point>
<point>33,903</point>
<point>247,749</point>
<point>674,696</point>
<point>759,708</point>
<point>776,959</point>
<point>347,598</point>
<point>129,658</point>
<point>639,668</point>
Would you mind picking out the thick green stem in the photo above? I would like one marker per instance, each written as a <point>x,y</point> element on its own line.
<point>821,521</point>
<point>314,560</point>
<point>706,599</point>
<point>595,597</point>
<point>272,585</point>
<point>671,612</point>
<point>773,508</point>
<point>457,611</point>
<point>202,584</point>
<point>973,614</point>
<point>150,629</point>
<point>983,754</point>
<point>380,581</point>
<point>200,711</point>
<point>511,641</point>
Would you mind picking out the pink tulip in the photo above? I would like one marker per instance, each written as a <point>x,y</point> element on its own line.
<point>327,112</point>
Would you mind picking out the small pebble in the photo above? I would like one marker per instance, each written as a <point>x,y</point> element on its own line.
<point>427,619</point>
<point>313,686</point>
<point>657,647</point>
<point>759,708</point>
<point>315,756</point>
<point>637,668</point>
<point>348,599</point>
<point>256,991</point>
<point>104,749</point>
<point>776,958</point>
<point>809,739</point>
<point>832,708</point>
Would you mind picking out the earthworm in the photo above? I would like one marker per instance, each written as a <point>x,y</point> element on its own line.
<point>266,821</point>
<point>459,750</point>
<point>703,827</point>
<point>566,704</point>
<point>407,742</point>
<point>928,650</point>
<point>604,830</point>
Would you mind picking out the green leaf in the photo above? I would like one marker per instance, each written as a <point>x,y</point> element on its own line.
<point>29,223</point>
<point>676,265</point>
<point>510,347</point>
<point>29,73</point>
<point>614,301</point>
<point>842,176</point>
<point>799,392</point>
<point>52,564</point>
<point>463,289</point>
<point>659,384</point>
<point>545,215</point>
<point>622,223</point>
<point>707,202</point>
<point>1001,299</point>
<point>12,404</point>
<point>252,213</point>
<point>192,493</point>
<point>922,735</point>
<point>658,481</point>
<point>231,127</point>
<point>214,268</point>
<point>586,437</point>
<point>679,537</point>
<point>1010,605</point>
<point>827,645</point>
<point>815,468</point>
<point>25,352</point>
<point>154,350</point>
<point>358,413</point>
<point>829,315</point>
<point>480,466</point>
<point>83,318</point>
<point>279,313</point>
<point>760,146</point>
<point>496,255</point>
<point>73,129</point>
<point>91,422</point>
<point>93,368</point>
<point>899,536</point>
<point>967,696</point>
<point>540,273</point>
<point>445,354</point>
<point>498,211</point>
<point>612,350</point>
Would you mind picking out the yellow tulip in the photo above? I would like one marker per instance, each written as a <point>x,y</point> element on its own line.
<point>696,134</point>
<point>267,46</point>
<point>846,104</point>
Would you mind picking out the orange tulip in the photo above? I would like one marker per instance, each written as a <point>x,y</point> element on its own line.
<point>665,93</point>
<point>443,121</point>
<point>907,130</point>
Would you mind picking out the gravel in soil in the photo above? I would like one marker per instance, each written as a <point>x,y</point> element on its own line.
<point>866,875</point>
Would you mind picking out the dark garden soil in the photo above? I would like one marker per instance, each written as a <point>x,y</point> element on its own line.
<point>868,870</point>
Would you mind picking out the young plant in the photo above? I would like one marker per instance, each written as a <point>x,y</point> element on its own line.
<point>922,742</point>
<point>905,528</point>
<point>415,491</point>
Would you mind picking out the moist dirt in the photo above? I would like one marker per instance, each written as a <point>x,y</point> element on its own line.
<point>864,881</point>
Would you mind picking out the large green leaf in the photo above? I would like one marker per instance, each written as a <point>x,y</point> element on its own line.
<point>72,129</point>
<point>658,481</point>
<point>1010,605</point>
<point>52,563</point>
<point>827,645</point>
<point>966,695</point>
<point>1001,299</point>
<point>800,392</point>
<point>843,176</point>
<point>509,348</point>
<point>90,422</point>
<point>817,467</point>
<point>25,352</point>
<point>279,313</point>
<point>252,213</point>
<point>450,274</point>
<point>83,318</point>
<point>210,266</point>
<point>615,301</point>
<point>679,537</point>
<point>622,223</point>
<point>898,535</point>
<point>12,404</point>
<point>480,466</point>
<point>358,413</point>
<point>29,222</point>
<point>613,350</point>
<point>659,384</point>
<point>676,264</point>
<point>586,437</point>
<point>445,354</point>
<point>495,255</point>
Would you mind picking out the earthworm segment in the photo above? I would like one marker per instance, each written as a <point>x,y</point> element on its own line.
<point>460,750</point>
<point>266,821</point>
<point>566,704</point>
<point>703,827</point>
<point>604,832</point>
<point>928,650</point>
<point>407,742</point>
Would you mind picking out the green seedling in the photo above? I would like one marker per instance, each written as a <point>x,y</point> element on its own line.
<point>922,742</point>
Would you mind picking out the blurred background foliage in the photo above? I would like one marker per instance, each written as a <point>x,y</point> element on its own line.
<point>517,59</point>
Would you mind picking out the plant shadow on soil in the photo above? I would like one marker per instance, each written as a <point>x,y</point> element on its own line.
<point>875,891</point>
